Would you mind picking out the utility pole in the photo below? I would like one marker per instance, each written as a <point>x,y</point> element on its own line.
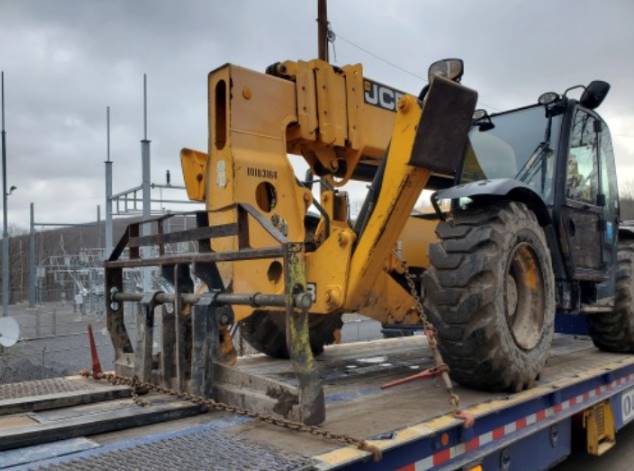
<point>98,227</point>
<point>5,229</point>
<point>145,157</point>
<point>32,272</point>
<point>322,46</point>
<point>146,186</point>
<point>108,162</point>
<point>322,29</point>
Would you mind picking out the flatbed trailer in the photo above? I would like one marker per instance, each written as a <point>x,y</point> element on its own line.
<point>78,423</point>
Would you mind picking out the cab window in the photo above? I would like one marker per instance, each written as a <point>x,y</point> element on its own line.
<point>519,144</point>
<point>582,176</point>
<point>610,191</point>
<point>608,174</point>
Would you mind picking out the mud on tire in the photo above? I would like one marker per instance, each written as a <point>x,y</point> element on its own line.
<point>614,331</point>
<point>490,294</point>
<point>266,332</point>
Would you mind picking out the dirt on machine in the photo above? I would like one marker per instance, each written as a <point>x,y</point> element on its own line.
<point>525,224</point>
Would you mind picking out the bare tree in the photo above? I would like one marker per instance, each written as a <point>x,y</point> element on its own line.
<point>15,230</point>
<point>627,200</point>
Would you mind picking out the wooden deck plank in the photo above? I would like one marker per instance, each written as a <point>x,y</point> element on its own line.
<point>74,391</point>
<point>160,408</point>
<point>356,404</point>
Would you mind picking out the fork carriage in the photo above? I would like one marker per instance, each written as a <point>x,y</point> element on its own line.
<point>197,353</point>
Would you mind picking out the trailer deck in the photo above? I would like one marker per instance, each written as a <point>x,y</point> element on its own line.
<point>75,423</point>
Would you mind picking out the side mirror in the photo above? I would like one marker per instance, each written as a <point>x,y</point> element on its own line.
<point>310,179</point>
<point>451,69</point>
<point>594,94</point>
<point>601,201</point>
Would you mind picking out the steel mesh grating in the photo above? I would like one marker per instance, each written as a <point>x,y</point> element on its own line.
<point>208,450</point>
<point>41,387</point>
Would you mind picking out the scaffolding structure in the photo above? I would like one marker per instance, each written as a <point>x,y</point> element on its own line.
<point>79,276</point>
<point>81,272</point>
<point>126,202</point>
<point>34,283</point>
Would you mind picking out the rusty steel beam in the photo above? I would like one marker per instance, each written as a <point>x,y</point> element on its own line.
<point>245,254</point>
<point>190,235</point>
<point>301,300</point>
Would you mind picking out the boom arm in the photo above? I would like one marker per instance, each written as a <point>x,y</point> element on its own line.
<point>431,139</point>
<point>335,119</point>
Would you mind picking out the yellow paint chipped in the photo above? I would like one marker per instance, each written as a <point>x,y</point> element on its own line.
<point>341,455</point>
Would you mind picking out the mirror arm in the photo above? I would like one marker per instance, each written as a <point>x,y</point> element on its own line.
<point>436,206</point>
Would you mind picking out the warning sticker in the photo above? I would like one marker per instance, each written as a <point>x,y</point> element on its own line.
<point>627,406</point>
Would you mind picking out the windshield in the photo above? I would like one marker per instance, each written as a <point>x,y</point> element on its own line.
<point>516,147</point>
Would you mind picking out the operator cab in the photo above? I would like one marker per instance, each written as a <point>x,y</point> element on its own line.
<point>561,149</point>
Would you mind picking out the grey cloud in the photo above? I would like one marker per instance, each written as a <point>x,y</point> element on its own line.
<point>65,60</point>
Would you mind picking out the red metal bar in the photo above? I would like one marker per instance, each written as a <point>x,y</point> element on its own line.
<point>425,374</point>
<point>94,355</point>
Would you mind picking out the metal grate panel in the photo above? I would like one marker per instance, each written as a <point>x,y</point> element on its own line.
<point>42,387</point>
<point>206,448</point>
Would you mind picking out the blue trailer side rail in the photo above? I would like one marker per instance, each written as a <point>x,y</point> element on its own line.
<point>532,430</point>
<point>412,426</point>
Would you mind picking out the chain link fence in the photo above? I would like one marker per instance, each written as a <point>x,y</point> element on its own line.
<point>54,340</point>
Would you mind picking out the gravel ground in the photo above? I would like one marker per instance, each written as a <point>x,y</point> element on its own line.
<point>54,341</point>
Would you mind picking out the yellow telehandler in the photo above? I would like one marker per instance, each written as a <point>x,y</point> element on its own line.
<point>276,260</point>
<point>533,226</point>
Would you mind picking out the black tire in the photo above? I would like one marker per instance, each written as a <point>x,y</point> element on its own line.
<point>266,332</point>
<point>492,260</point>
<point>614,331</point>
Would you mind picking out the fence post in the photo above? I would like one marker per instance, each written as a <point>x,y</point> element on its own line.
<point>32,268</point>
<point>54,326</point>
<point>38,327</point>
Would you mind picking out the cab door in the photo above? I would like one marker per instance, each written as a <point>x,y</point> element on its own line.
<point>582,214</point>
<point>610,197</point>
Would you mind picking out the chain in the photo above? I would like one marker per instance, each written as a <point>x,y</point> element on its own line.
<point>430,334</point>
<point>210,404</point>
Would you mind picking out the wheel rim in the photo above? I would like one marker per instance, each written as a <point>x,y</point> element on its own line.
<point>524,296</point>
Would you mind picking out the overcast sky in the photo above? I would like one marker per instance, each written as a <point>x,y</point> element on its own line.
<point>65,60</point>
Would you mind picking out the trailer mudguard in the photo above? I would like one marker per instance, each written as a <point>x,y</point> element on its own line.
<point>503,188</point>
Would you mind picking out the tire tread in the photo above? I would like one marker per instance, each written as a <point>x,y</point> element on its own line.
<point>462,288</point>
